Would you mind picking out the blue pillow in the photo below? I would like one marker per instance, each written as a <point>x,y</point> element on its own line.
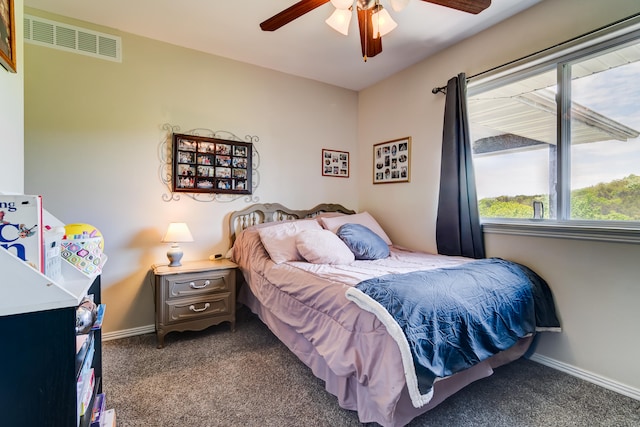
<point>364,243</point>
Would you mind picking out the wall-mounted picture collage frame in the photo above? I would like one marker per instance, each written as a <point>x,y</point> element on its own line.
<point>211,165</point>
<point>335,163</point>
<point>392,161</point>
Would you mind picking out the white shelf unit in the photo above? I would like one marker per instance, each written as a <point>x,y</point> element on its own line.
<point>39,364</point>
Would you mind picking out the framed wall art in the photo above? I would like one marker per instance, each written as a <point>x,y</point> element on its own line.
<point>392,161</point>
<point>211,165</point>
<point>335,163</point>
<point>7,35</point>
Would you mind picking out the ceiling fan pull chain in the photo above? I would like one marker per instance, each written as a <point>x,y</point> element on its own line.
<point>366,30</point>
<point>366,38</point>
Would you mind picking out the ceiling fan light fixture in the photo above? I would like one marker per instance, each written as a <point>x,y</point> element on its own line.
<point>398,5</point>
<point>340,20</point>
<point>382,23</point>
<point>342,4</point>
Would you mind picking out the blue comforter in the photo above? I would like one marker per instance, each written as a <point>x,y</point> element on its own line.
<point>455,317</point>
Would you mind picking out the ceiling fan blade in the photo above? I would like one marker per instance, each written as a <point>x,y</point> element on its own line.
<point>291,13</point>
<point>370,46</point>
<point>470,6</point>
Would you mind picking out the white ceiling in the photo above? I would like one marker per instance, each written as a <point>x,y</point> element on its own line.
<point>306,47</point>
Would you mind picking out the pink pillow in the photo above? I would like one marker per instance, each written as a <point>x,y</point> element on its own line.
<point>323,247</point>
<point>363,218</point>
<point>280,239</point>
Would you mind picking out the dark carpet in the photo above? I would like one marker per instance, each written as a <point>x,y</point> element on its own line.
<point>248,378</point>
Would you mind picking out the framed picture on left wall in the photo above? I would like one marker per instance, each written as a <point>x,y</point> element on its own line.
<point>7,35</point>
<point>335,163</point>
<point>211,165</point>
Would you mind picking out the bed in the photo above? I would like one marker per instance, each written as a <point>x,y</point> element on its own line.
<point>334,309</point>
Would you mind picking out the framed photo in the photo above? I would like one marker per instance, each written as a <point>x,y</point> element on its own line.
<point>335,163</point>
<point>7,35</point>
<point>211,165</point>
<point>392,161</point>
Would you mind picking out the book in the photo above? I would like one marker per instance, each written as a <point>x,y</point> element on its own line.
<point>109,418</point>
<point>81,342</point>
<point>21,228</point>
<point>84,353</point>
<point>97,324</point>
<point>85,254</point>
<point>84,397</point>
<point>84,358</point>
<point>88,359</point>
<point>99,406</point>
<point>52,238</point>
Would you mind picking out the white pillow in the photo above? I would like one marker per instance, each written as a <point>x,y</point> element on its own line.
<point>363,218</point>
<point>323,247</point>
<point>280,239</point>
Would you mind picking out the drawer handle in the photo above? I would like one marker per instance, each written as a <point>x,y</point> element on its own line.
<point>198,310</point>
<point>204,285</point>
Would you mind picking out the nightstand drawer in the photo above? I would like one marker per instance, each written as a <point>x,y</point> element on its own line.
<point>188,285</point>
<point>194,308</point>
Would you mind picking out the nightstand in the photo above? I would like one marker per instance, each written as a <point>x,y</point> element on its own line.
<point>194,296</point>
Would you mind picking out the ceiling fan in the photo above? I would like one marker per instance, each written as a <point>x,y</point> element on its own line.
<point>370,27</point>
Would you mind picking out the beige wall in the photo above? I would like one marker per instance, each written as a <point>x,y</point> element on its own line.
<point>12,118</point>
<point>93,137</point>
<point>595,283</point>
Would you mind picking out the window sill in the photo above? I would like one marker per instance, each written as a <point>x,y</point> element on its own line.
<point>620,233</point>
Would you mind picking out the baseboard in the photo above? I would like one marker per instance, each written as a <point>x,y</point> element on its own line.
<point>623,389</point>
<point>107,336</point>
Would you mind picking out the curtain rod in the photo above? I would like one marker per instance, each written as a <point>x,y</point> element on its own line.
<point>443,89</point>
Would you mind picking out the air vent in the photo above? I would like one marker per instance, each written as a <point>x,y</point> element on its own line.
<point>65,37</point>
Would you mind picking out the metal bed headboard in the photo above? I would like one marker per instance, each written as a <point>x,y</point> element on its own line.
<point>272,212</point>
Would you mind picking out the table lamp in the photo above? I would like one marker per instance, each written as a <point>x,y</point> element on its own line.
<point>176,233</point>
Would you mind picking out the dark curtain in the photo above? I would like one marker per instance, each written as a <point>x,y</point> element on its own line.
<point>458,224</point>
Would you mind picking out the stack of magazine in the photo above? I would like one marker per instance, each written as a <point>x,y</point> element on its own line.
<point>89,403</point>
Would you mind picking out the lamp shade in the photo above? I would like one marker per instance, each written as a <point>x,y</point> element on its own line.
<point>342,4</point>
<point>339,20</point>
<point>382,23</point>
<point>178,232</point>
<point>398,5</point>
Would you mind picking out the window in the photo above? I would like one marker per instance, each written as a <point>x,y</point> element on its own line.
<point>513,130</point>
<point>562,135</point>
<point>605,145</point>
